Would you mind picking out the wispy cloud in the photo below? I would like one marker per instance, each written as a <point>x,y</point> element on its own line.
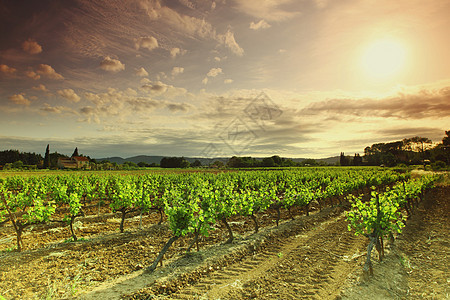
<point>214,72</point>
<point>32,75</point>
<point>112,65</point>
<point>32,47</point>
<point>262,24</point>
<point>147,42</point>
<point>8,71</point>
<point>41,88</point>
<point>141,72</point>
<point>19,99</point>
<point>177,71</point>
<point>228,41</point>
<point>424,104</point>
<point>70,95</point>
<point>49,72</point>
<point>174,52</point>
<point>272,10</point>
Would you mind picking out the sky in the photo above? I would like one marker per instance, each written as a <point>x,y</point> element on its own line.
<point>213,78</point>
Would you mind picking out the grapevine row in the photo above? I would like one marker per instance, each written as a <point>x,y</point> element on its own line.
<point>193,203</point>
<point>385,214</point>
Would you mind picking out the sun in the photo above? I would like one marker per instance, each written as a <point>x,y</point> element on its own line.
<point>383,59</point>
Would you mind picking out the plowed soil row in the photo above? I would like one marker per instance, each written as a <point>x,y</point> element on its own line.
<point>417,266</point>
<point>306,258</point>
<point>311,257</point>
<point>311,265</point>
<point>51,267</point>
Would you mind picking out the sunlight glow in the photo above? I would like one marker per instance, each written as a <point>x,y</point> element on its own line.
<point>383,59</point>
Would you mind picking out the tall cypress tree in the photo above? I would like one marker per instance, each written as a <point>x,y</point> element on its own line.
<point>75,153</point>
<point>47,158</point>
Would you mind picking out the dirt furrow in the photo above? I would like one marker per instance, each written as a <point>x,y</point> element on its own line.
<point>293,267</point>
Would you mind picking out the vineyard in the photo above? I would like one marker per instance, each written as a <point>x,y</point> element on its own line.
<point>110,225</point>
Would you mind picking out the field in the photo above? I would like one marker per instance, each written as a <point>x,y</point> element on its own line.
<point>311,254</point>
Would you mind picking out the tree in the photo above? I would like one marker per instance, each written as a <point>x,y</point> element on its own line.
<point>268,162</point>
<point>47,158</point>
<point>174,162</point>
<point>357,160</point>
<point>53,158</point>
<point>75,153</point>
<point>17,164</point>
<point>277,160</point>
<point>445,148</point>
<point>446,139</point>
<point>343,160</point>
<point>417,143</point>
<point>234,162</point>
<point>196,164</point>
<point>217,164</point>
<point>309,162</point>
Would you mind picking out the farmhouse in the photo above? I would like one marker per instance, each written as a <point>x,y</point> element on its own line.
<point>75,162</point>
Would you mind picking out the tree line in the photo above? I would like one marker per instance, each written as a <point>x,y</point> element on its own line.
<point>409,151</point>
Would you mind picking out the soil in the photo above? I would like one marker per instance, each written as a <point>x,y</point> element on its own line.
<point>311,257</point>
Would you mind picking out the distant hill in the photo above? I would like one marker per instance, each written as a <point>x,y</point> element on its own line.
<point>205,161</point>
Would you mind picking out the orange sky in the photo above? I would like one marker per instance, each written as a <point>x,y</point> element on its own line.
<point>210,78</point>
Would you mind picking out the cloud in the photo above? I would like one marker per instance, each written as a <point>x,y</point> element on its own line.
<point>87,110</point>
<point>122,104</point>
<point>420,105</point>
<point>227,81</point>
<point>33,75</point>
<point>112,65</point>
<point>147,42</point>
<point>57,109</point>
<point>205,80</point>
<point>91,114</point>
<point>141,103</point>
<point>272,10</point>
<point>214,72</point>
<point>182,23</point>
<point>41,88</point>
<point>321,3</point>
<point>260,25</point>
<point>69,94</point>
<point>213,5</point>
<point>228,41</point>
<point>19,99</point>
<point>436,134</point>
<point>177,51</point>
<point>32,47</point>
<point>176,71</point>
<point>188,4</point>
<point>145,104</point>
<point>188,26</point>
<point>159,88</point>
<point>52,109</point>
<point>141,72</point>
<point>178,107</point>
<point>49,72</point>
<point>8,71</point>
<point>155,88</point>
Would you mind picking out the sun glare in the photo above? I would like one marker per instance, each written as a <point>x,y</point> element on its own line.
<point>383,59</point>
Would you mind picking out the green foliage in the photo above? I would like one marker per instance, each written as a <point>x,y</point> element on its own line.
<point>383,213</point>
<point>193,202</point>
<point>380,215</point>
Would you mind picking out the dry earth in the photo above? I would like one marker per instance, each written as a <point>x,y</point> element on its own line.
<point>312,257</point>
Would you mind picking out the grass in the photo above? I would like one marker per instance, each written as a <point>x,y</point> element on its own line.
<point>7,250</point>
